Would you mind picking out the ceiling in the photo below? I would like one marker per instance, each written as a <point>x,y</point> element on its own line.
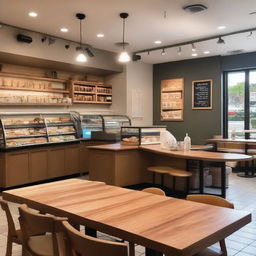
<point>145,24</point>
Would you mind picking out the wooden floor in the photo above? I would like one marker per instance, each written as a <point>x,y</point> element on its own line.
<point>242,193</point>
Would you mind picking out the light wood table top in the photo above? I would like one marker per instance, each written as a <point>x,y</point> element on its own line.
<point>172,226</point>
<point>197,154</point>
<point>240,141</point>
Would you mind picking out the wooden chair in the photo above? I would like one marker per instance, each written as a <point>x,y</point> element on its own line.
<point>80,244</point>
<point>216,201</point>
<point>39,232</point>
<point>14,235</point>
<point>156,191</point>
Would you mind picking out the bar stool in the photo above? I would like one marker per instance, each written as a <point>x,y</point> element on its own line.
<point>162,170</point>
<point>177,173</point>
<point>174,172</point>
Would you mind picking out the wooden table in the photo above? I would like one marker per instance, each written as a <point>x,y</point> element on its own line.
<point>246,142</point>
<point>171,226</point>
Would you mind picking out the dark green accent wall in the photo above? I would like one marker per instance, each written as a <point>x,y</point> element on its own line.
<point>199,124</point>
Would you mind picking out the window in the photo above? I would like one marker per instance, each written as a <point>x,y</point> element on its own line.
<point>240,103</point>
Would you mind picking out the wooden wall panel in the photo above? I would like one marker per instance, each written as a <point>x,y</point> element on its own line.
<point>56,163</point>
<point>72,164</point>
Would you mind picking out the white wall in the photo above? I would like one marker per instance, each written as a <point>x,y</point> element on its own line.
<point>140,79</point>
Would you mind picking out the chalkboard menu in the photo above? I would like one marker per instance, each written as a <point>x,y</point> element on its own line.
<point>202,94</point>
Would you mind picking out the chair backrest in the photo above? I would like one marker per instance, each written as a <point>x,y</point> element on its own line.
<point>33,223</point>
<point>11,225</point>
<point>156,191</point>
<point>81,244</point>
<point>212,200</point>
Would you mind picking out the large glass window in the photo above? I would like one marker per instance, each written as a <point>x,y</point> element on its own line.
<point>236,102</point>
<point>240,103</point>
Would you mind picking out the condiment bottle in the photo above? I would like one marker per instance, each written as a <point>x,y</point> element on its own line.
<point>187,143</point>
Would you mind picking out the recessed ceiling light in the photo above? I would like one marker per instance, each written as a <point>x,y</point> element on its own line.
<point>33,14</point>
<point>221,27</point>
<point>100,35</point>
<point>194,54</point>
<point>158,42</point>
<point>206,52</point>
<point>64,30</point>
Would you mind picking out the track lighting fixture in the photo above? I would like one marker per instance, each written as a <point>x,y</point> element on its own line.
<point>220,41</point>
<point>89,52</point>
<point>250,35</point>
<point>124,56</point>
<point>67,46</point>
<point>163,52</point>
<point>51,41</point>
<point>136,57</point>
<point>193,48</point>
<point>81,56</point>
<point>179,51</point>
<point>43,39</point>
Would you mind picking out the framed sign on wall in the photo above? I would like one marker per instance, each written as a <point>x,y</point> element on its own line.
<point>172,99</point>
<point>202,94</point>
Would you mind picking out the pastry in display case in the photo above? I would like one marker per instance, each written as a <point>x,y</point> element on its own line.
<point>25,129</point>
<point>135,135</point>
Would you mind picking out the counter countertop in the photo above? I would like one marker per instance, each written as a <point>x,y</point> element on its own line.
<point>113,147</point>
<point>192,154</point>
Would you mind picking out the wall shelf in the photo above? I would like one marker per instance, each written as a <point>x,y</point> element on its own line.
<point>84,92</point>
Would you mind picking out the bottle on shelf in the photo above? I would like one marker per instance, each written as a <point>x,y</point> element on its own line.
<point>187,143</point>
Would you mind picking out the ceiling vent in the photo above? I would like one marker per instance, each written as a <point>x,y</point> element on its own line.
<point>195,8</point>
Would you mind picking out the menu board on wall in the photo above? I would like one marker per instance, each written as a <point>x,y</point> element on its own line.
<point>202,94</point>
<point>172,99</point>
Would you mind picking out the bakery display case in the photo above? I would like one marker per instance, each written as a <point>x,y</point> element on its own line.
<point>25,129</point>
<point>135,135</point>
<point>111,127</point>
<point>90,123</point>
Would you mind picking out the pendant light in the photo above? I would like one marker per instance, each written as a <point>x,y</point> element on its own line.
<point>81,56</point>
<point>124,56</point>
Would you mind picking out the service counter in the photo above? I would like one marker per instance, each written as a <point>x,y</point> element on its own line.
<point>123,165</point>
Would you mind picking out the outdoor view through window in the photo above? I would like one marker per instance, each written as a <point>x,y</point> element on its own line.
<point>236,102</point>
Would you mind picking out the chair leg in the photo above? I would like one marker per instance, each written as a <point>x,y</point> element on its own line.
<point>131,249</point>
<point>174,183</point>
<point>9,246</point>
<point>223,248</point>
<point>162,179</point>
<point>154,178</point>
<point>187,186</point>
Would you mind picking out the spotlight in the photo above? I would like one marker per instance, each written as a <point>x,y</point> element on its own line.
<point>250,35</point>
<point>51,41</point>
<point>193,48</point>
<point>67,46</point>
<point>136,57</point>
<point>220,41</point>
<point>163,52</point>
<point>179,51</point>
<point>89,52</point>
<point>43,39</point>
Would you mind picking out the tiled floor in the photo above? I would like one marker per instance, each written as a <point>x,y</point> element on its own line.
<point>242,193</point>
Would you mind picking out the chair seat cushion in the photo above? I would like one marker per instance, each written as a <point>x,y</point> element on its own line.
<point>41,245</point>
<point>209,252</point>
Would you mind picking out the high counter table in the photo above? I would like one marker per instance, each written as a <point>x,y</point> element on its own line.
<point>121,165</point>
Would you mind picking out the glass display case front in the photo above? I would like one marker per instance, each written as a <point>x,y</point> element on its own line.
<point>30,129</point>
<point>141,135</point>
<point>113,123</point>
<point>91,123</point>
